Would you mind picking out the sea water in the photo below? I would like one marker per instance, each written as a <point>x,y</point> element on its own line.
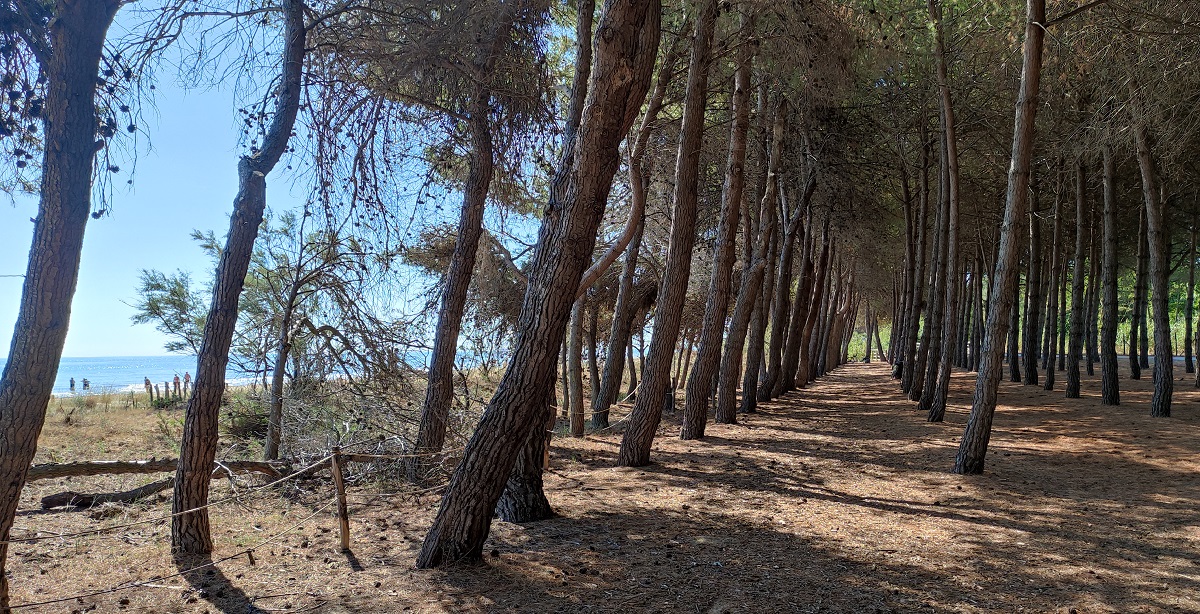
<point>123,373</point>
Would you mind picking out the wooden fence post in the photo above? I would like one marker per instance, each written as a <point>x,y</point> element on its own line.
<point>339,483</point>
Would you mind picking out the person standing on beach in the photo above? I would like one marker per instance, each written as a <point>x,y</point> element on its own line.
<point>86,384</point>
<point>72,384</point>
<point>177,384</point>
<point>149,388</point>
<point>187,381</point>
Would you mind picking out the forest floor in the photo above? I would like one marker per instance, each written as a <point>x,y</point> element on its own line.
<point>837,498</point>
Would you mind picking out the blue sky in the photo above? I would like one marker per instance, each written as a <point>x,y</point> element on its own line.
<point>187,179</point>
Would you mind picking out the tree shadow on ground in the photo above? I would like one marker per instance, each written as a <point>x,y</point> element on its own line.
<point>210,584</point>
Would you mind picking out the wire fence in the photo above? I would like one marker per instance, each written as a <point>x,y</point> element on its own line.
<point>335,460</point>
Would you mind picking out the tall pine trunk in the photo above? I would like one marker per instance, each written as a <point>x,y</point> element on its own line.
<point>647,410</point>
<point>190,532</point>
<point>695,406</point>
<point>1030,345</point>
<point>76,42</point>
<point>936,407</point>
<point>1159,243</point>
<point>972,450</point>
<point>1189,308</point>
<point>1110,392</point>
<point>620,336</point>
<point>624,61</point>
<point>1051,332</point>
<point>1078,303</point>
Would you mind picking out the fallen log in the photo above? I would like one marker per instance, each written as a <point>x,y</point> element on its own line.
<point>75,499</point>
<point>220,468</point>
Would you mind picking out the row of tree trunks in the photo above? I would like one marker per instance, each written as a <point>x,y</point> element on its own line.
<point>1159,247</point>
<point>627,307</point>
<point>802,305</point>
<point>934,404</point>
<point>655,388</point>
<point>621,74</point>
<point>704,376</point>
<point>1050,332</point>
<point>913,319</point>
<point>1078,307</point>
<point>758,228</point>
<point>973,446</point>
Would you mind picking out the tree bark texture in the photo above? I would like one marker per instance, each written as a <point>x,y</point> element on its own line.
<point>952,283</point>
<point>647,410</point>
<point>973,446</point>
<point>708,356</point>
<point>76,37</point>
<point>1078,303</point>
<point>190,530</point>
<point>624,51</point>
<point>1158,238</point>
<point>1110,392</point>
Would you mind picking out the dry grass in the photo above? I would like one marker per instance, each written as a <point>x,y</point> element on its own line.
<point>834,499</point>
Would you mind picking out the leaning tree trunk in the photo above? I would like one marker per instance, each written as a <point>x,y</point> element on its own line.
<point>731,360</point>
<point>1110,392</point>
<point>624,61</point>
<point>1078,302</point>
<point>528,504</point>
<point>972,450</point>
<point>620,336</point>
<point>699,386</point>
<point>439,391</point>
<point>190,532</point>
<point>1159,243</point>
<point>76,41</point>
<point>647,410</point>
<point>524,498</point>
